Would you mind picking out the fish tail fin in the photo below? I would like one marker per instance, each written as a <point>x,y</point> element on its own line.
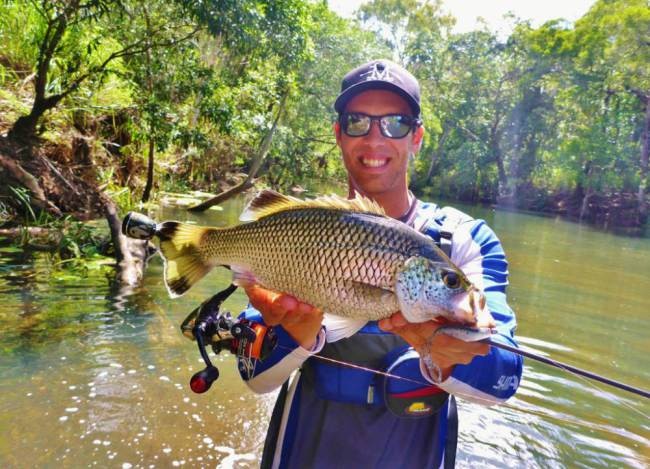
<point>180,246</point>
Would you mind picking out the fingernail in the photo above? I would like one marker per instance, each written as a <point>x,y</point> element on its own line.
<point>399,321</point>
<point>304,308</point>
<point>288,303</point>
<point>385,325</point>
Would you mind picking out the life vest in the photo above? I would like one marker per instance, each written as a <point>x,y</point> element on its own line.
<point>373,349</point>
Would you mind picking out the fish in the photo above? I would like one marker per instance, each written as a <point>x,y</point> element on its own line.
<point>345,257</point>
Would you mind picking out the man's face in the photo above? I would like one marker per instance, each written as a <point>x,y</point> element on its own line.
<point>377,165</point>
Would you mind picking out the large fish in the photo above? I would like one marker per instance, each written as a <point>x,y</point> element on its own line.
<point>345,257</point>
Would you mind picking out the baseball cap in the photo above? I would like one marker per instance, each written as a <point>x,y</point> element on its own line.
<point>380,75</point>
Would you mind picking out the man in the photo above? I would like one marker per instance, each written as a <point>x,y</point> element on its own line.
<point>334,415</point>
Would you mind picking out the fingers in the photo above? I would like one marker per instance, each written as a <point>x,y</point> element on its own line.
<point>277,307</point>
<point>458,350</point>
<point>300,320</point>
<point>396,321</point>
<point>446,351</point>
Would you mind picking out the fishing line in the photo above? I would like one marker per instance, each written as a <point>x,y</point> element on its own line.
<point>363,368</point>
<point>580,373</point>
<point>470,397</point>
<point>475,398</point>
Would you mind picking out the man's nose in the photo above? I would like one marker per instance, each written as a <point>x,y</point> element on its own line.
<point>375,131</point>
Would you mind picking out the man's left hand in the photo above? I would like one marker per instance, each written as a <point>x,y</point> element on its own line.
<point>445,351</point>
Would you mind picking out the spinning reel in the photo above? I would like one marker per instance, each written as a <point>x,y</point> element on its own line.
<point>248,340</point>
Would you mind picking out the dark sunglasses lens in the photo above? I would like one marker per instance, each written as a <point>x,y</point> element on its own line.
<point>395,126</point>
<point>356,125</point>
<point>391,126</point>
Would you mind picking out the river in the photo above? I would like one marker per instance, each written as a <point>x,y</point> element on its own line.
<point>95,377</point>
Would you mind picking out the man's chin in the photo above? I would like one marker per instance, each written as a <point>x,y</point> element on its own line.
<point>372,189</point>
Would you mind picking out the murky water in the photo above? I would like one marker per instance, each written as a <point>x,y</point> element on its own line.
<point>91,376</point>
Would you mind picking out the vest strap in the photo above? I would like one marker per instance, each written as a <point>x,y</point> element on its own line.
<point>453,219</point>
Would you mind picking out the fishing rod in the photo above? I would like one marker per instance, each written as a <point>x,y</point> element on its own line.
<point>209,327</point>
<point>252,341</point>
<point>572,369</point>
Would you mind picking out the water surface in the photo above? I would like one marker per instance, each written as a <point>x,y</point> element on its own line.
<point>93,376</point>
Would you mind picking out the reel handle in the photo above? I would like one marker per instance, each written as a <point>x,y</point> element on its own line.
<point>202,380</point>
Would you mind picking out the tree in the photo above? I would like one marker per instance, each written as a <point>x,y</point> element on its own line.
<point>613,40</point>
<point>68,52</point>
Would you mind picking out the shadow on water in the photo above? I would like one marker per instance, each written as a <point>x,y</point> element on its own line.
<point>92,375</point>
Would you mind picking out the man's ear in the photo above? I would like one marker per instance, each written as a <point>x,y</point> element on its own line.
<point>337,132</point>
<point>418,137</point>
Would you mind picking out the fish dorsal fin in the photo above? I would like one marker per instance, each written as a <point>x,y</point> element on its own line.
<point>268,202</point>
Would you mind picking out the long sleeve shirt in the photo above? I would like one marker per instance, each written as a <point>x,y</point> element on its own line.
<point>332,415</point>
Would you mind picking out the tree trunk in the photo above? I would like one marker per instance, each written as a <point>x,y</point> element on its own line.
<point>147,188</point>
<point>131,254</point>
<point>149,185</point>
<point>435,156</point>
<point>584,207</point>
<point>503,178</point>
<point>497,156</point>
<point>25,126</point>
<point>643,165</point>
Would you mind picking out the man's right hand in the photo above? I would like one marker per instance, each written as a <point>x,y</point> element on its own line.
<point>301,320</point>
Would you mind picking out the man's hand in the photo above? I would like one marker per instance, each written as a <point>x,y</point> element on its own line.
<point>445,351</point>
<point>301,320</point>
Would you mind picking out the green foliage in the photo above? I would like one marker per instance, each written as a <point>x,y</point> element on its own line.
<point>548,110</point>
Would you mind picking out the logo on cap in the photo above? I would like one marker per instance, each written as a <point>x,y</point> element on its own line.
<point>378,71</point>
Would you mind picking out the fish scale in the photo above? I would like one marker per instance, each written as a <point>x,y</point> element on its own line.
<point>338,253</point>
<point>344,257</point>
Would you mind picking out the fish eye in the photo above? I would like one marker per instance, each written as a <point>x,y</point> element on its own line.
<point>451,279</point>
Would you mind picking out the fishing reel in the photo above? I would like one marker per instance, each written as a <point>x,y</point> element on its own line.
<point>248,340</point>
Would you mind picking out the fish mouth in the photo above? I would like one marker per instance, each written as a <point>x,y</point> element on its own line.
<point>476,301</point>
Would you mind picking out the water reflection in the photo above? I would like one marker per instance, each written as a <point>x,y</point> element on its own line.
<point>96,376</point>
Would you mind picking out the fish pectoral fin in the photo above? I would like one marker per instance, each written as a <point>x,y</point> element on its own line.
<point>337,327</point>
<point>179,247</point>
<point>242,277</point>
<point>374,292</point>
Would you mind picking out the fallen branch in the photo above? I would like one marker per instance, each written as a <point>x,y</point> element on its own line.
<point>31,231</point>
<point>58,173</point>
<point>131,254</point>
<point>24,178</point>
<point>255,166</point>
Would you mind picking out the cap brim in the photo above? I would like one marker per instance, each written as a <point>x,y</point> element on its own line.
<point>347,95</point>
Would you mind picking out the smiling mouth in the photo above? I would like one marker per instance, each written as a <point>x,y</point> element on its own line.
<point>374,162</point>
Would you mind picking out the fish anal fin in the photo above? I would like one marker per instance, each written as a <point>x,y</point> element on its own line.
<point>338,327</point>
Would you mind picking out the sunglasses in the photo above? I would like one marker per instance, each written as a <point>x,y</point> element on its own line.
<point>356,124</point>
